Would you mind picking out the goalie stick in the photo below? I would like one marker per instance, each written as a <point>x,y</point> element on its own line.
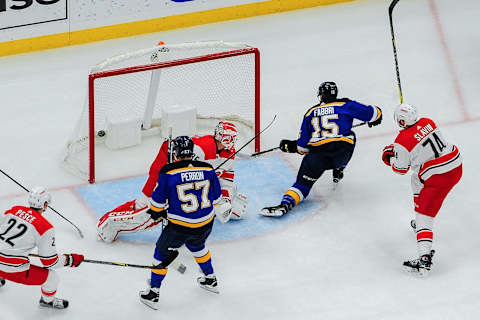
<point>21,186</point>
<point>232,155</point>
<point>397,69</point>
<point>180,267</point>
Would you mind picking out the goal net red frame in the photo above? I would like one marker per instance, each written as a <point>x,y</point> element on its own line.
<point>117,67</point>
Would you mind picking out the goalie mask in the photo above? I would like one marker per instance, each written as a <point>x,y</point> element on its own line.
<point>182,147</point>
<point>405,115</point>
<point>226,134</point>
<point>37,197</point>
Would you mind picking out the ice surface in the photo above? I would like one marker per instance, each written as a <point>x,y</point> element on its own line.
<point>339,255</point>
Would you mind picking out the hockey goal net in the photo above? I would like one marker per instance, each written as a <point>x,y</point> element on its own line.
<point>220,79</point>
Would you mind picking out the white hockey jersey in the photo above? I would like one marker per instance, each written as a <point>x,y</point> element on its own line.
<point>422,148</point>
<point>21,230</point>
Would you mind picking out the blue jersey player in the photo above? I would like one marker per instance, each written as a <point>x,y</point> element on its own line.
<point>327,141</point>
<point>185,196</point>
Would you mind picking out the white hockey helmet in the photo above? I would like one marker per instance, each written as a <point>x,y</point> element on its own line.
<point>37,198</point>
<point>226,134</point>
<point>407,113</point>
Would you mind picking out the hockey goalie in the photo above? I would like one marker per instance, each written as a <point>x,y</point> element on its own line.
<point>132,216</point>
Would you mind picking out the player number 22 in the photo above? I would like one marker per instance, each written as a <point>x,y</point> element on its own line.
<point>330,129</point>
<point>190,200</point>
<point>8,236</point>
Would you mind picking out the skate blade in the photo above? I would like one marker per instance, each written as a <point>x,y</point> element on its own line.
<point>211,289</point>
<point>267,213</point>
<point>148,303</point>
<point>418,273</point>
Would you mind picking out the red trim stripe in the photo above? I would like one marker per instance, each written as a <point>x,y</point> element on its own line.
<point>425,235</point>
<point>48,294</point>
<point>13,261</point>
<point>226,175</point>
<point>401,171</point>
<point>438,161</point>
<point>48,262</point>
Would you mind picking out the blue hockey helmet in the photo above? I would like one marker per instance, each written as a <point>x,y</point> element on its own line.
<point>182,147</point>
<point>327,91</point>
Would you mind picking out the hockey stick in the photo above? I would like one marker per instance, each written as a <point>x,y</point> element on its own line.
<point>232,155</point>
<point>264,151</point>
<point>177,265</point>
<point>78,230</point>
<point>273,149</point>
<point>170,146</point>
<point>359,124</point>
<point>390,13</point>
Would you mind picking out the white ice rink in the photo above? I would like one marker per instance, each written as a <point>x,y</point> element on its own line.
<point>343,259</point>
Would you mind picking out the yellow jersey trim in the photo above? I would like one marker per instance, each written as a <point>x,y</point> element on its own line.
<point>203,259</point>
<point>338,103</point>
<point>294,195</point>
<point>379,113</point>
<point>161,272</point>
<point>158,24</point>
<point>188,169</point>
<point>191,225</point>
<point>319,143</point>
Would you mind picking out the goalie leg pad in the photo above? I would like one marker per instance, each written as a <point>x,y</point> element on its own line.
<point>124,219</point>
<point>239,206</point>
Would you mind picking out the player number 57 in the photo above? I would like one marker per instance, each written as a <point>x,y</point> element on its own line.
<point>189,199</point>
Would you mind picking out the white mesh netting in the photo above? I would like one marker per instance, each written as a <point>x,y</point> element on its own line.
<point>139,84</point>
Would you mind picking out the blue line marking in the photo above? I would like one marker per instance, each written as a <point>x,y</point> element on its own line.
<point>263,180</point>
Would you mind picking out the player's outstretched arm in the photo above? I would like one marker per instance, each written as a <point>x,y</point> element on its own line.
<point>289,146</point>
<point>378,117</point>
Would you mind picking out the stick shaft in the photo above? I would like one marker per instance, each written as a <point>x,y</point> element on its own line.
<point>264,151</point>
<point>232,155</point>
<point>397,69</point>
<point>21,186</point>
<point>175,264</point>
<point>276,148</point>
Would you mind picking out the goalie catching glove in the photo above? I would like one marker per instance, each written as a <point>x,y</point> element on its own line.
<point>235,209</point>
<point>223,209</point>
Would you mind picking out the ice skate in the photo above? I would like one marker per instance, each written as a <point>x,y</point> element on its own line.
<point>275,211</point>
<point>337,175</point>
<point>2,282</point>
<point>421,265</point>
<point>208,282</point>
<point>150,297</point>
<point>56,303</point>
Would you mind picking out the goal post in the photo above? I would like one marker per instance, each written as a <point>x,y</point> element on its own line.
<point>129,92</point>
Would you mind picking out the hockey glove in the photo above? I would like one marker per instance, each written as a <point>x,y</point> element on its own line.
<point>73,260</point>
<point>156,215</point>
<point>378,120</point>
<point>388,153</point>
<point>289,146</point>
